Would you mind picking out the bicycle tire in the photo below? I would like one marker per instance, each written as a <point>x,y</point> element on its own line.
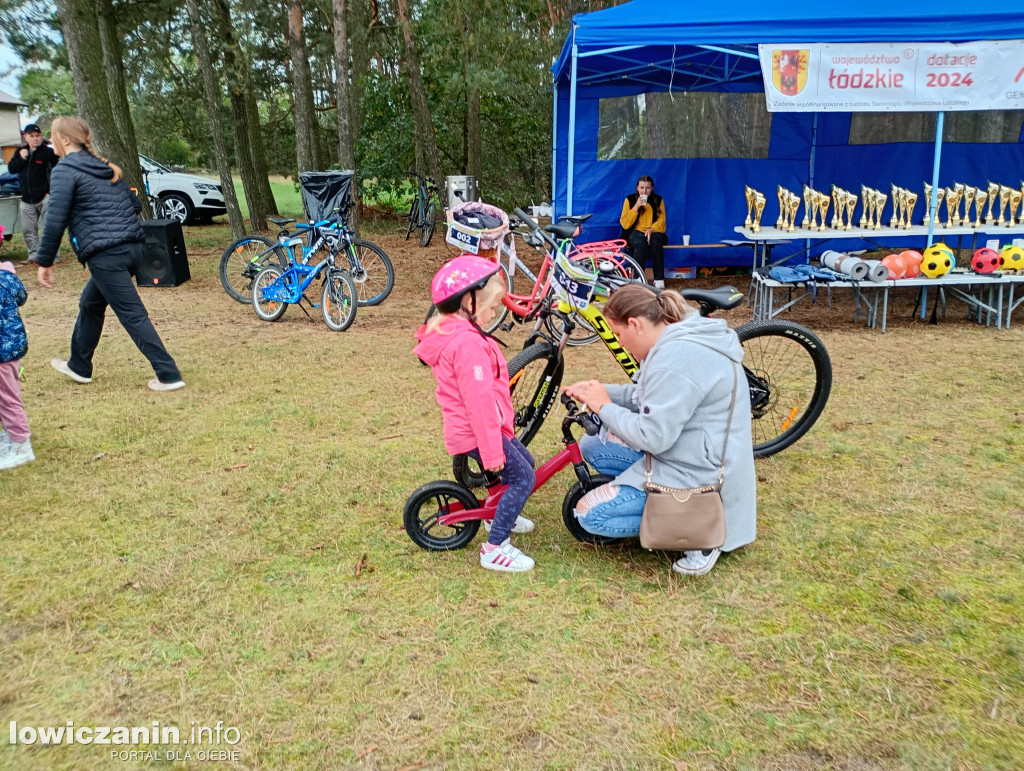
<point>267,310</point>
<point>414,217</point>
<point>238,258</point>
<point>572,524</point>
<point>429,223</point>
<point>790,377</point>
<point>437,497</point>
<point>338,300</point>
<point>584,334</point>
<point>373,273</point>
<point>534,388</point>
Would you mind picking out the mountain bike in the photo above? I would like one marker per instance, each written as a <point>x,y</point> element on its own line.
<point>423,213</point>
<point>788,370</point>
<point>444,515</point>
<point>368,264</point>
<point>276,287</point>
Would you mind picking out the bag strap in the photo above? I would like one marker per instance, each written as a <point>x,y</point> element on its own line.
<point>728,428</point>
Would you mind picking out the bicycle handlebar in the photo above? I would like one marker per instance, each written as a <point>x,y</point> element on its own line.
<point>537,230</point>
<point>588,421</point>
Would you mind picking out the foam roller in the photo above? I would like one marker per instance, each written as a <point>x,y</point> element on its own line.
<point>847,264</point>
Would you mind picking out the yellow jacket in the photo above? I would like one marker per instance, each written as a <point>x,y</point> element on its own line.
<point>645,219</point>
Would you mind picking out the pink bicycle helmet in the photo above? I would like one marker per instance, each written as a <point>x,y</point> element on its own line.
<point>458,276</point>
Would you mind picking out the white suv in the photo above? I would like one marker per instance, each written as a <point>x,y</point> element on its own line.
<point>185,197</point>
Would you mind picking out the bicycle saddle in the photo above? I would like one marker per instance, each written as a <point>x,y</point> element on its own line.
<point>565,229</point>
<point>579,219</point>
<point>723,298</point>
<point>280,221</point>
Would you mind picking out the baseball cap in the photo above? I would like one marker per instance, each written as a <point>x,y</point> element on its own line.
<point>30,128</point>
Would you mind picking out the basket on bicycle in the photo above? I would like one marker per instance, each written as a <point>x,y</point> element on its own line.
<point>477,228</point>
<point>573,282</point>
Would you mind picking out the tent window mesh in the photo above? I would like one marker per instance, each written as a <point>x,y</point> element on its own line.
<point>690,124</point>
<point>982,126</point>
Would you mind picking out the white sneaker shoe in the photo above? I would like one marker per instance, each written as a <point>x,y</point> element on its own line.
<point>695,563</point>
<point>522,525</point>
<point>156,385</point>
<point>659,283</point>
<point>61,365</point>
<point>506,558</point>
<point>17,453</point>
<point>5,439</point>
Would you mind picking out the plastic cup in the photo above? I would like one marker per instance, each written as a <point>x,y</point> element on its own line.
<point>686,240</point>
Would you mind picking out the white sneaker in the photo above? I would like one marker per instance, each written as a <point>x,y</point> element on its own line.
<point>61,365</point>
<point>659,283</point>
<point>156,385</point>
<point>5,439</point>
<point>17,453</point>
<point>506,558</point>
<point>522,525</point>
<point>695,563</point>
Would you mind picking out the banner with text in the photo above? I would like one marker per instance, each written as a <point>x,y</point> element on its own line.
<point>903,77</point>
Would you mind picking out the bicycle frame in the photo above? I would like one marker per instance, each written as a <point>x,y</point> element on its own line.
<point>303,273</point>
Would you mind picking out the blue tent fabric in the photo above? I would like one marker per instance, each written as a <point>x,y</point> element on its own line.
<point>654,45</point>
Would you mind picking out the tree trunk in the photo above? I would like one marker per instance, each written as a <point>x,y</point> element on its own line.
<point>474,144</point>
<point>258,147</point>
<point>78,20</point>
<point>358,24</point>
<point>418,94</point>
<point>113,64</point>
<point>212,97</point>
<point>256,189</point>
<point>303,112</point>
<point>346,148</point>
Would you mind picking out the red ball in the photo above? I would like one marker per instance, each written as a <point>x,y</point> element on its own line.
<point>913,262</point>
<point>896,265</point>
<point>985,260</point>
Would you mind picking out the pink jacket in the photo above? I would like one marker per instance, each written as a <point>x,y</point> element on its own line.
<point>472,388</point>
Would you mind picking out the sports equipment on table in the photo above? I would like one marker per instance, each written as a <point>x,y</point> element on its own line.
<point>1012,257</point>
<point>985,260</point>
<point>938,260</point>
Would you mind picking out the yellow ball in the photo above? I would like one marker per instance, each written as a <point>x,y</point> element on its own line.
<point>938,260</point>
<point>1012,257</point>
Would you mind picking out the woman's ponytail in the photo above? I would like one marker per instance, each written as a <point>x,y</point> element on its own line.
<point>76,130</point>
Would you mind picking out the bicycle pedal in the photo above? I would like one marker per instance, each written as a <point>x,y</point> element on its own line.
<point>506,326</point>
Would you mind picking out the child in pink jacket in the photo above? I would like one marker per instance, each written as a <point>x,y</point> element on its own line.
<point>472,389</point>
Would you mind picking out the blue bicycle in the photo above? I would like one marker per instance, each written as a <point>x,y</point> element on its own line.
<point>276,287</point>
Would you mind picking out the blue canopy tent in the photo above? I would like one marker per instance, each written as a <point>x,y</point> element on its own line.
<point>696,47</point>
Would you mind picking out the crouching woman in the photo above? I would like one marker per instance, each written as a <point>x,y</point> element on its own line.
<point>678,411</point>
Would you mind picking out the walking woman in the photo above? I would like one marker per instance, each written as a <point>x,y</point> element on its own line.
<point>100,212</point>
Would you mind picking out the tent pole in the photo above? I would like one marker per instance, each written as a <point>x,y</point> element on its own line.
<point>810,169</point>
<point>554,149</point>
<point>572,126</point>
<point>934,203</point>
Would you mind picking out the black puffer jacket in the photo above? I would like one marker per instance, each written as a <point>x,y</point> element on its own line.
<point>97,214</point>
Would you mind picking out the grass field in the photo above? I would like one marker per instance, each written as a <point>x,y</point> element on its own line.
<point>234,552</point>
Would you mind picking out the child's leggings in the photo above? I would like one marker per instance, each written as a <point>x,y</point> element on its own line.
<point>12,411</point>
<point>518,475</point>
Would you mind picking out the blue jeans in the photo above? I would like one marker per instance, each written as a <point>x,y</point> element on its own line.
<point>619,517</point>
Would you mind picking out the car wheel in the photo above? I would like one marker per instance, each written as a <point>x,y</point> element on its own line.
<point>176,207</point>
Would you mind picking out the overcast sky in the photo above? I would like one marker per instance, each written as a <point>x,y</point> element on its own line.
<point>8,80</point>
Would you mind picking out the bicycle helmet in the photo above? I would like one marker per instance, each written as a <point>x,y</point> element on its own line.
<point>457,277</point>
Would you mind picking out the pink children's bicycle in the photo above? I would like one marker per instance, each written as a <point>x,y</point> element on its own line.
<point>444,515</point>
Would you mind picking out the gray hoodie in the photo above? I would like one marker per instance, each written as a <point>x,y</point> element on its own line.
<point>677,411</point>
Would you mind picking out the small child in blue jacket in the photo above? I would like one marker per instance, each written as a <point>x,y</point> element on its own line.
<point>15,444</point>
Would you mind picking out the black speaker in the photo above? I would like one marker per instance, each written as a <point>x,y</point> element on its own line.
<point>164,261</point>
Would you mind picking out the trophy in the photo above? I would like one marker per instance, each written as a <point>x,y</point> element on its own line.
<point>824,200</point>
<point>969,194</point>
<point>952,207</point>
<point>851,204</point>
<point>910,201</point>
<point>759,202</point>
<point>794,207</point>
<point>896,201</point>
<point>1015,196</point>
<point>993,191</point>
<point>939,195</point>
<point>748,191</point>
<point>839,196</point>
<point>1004,201</point>
<point>780,223</point>
<point>958,189</point>
<point>979,205</point>
<point>808,211</point>
<point>865,206</point>
<point>880,199</point>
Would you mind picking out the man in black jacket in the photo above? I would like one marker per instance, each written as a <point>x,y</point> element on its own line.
<point>33,162</point>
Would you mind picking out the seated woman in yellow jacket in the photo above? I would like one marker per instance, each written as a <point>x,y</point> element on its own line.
<point>643,227</point>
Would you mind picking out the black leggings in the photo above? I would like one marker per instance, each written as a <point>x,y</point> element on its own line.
<point>655,251</point>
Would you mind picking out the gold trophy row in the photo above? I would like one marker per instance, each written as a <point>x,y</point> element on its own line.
<point>817,203</point>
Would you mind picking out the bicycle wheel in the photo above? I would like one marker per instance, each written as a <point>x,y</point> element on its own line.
<point>372,271</point>
<point>414,217</point>
<point>432,501</point>
<point>790,376</point>
<point>429,222</point>
<point>534,375</point>
<point>242,260</point>
<point>572,524</point>
<point>623,266</point>
<point>338,300</point>
<point>267,309</point>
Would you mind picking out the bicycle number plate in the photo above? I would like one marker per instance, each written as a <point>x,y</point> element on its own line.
<point>467,242</point>
<point>574,289</point>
